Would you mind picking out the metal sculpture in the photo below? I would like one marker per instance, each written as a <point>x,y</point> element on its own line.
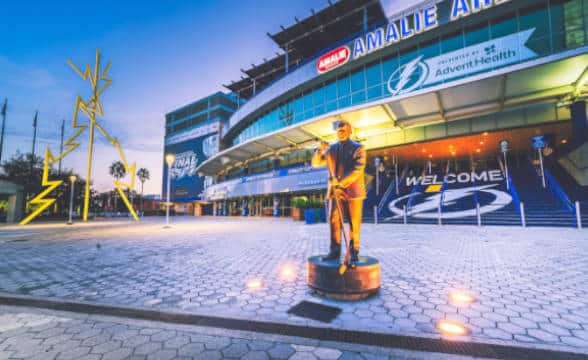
<point>91,108</point>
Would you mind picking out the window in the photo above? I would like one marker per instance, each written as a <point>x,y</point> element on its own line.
<point>389,66</point>
<point>537,18</point>
<point>506,25</point>
<point>220,113</point>
<point>318,97</point>
<point>452,41</point>
<point>575,15</point>
<point>358,81</point>
<point>373,74</point>
<point>343,86</point>
<point>477,34</point>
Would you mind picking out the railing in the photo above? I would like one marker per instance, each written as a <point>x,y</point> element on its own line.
<point>415,188</point>
<point>382,201</point>
<point>553,187</point>
<point>557,192</point>
<point>514,194</point>
<point>442,198</point>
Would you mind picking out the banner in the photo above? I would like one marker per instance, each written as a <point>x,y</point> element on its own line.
<point>186,184</point>
<point>473,59</point>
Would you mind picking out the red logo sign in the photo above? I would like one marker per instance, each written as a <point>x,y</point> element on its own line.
<point>333,59</point>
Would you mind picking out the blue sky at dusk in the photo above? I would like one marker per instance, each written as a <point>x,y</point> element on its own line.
<point>165,54</point>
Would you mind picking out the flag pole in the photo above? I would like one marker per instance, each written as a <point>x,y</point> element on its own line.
<point>61,144</point>
<point>34,141</point>
<point>3,127</point>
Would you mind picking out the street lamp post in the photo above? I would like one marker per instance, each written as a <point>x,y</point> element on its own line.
<point>169,159</point>
<point>377,163</point>
<point>72,180</point>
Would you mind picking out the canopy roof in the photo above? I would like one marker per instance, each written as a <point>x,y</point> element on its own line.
<point>541,81</point>
<point>307,37</point>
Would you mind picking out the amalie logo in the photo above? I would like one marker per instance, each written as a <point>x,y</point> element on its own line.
<point>333,59</point>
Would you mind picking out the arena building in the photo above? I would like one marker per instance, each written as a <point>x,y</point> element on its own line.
<point>472,111</point>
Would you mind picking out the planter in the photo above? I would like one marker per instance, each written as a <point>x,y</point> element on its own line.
<point>297,214</point>
<point>314,215</point>
<point>268,212</point>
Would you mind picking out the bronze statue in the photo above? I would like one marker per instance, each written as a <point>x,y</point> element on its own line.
<point>345,161</point>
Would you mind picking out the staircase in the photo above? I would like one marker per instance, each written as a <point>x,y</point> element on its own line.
<point>542,208</point>
<point>374,200</point>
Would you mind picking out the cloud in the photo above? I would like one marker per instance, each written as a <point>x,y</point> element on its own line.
<point>23,76</point>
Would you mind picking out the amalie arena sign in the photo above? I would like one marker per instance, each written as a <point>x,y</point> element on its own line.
<point>418,22</point>
<point>333,59</point>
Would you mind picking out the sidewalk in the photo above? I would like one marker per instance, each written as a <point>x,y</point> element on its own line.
<point>42,334</point>
<point>530,285</point>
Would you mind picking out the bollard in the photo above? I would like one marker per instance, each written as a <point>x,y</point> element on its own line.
<point>404,213</point>
<point>376,214</point>
<point>523,219</point>
<point>439,214</point>
<point>478,215</point>
<point>578,215</point>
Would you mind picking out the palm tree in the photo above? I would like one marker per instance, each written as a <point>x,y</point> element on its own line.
<point>143,175</point>
<point>117,171</point>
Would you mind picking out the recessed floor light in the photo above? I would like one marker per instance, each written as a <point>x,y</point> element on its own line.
<point>449,327</point>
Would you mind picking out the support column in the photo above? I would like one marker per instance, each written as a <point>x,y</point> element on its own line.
<point>15,207</point>
<point>579,122</point>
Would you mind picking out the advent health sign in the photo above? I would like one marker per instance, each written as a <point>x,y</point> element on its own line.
<point>486,56</point>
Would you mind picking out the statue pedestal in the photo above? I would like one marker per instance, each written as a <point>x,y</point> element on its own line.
<point>354,284</point>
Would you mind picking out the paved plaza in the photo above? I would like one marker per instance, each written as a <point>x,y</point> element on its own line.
<point>530,285</point>
<point>43,334</point>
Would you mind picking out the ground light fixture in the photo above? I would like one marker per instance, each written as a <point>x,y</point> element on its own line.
<point>72,180</point>
<point>288,272</point>
<point>461,297</point>
<point>254,284</point>
<point>169,159</point>
<point>449,327</point>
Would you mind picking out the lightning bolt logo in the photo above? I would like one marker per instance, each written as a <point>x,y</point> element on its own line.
<point>404,75</point>
<point>91,109</point>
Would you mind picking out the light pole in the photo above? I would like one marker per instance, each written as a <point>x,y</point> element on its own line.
<point>504,150</point>
<point>72,180</point>
<point>169,159</point>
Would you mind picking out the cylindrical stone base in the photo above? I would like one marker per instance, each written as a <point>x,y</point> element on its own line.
<point>355,284</point>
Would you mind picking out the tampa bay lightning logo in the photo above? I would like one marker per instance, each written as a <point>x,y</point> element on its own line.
<point>408,77</point>
<point>457,203</point>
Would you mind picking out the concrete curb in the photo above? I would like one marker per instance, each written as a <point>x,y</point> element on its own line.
<point>414,343</point>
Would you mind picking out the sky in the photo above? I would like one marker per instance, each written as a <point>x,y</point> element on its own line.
<point>164,55</point>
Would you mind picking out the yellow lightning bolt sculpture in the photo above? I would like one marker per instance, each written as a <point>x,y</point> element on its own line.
<point>91,109</point>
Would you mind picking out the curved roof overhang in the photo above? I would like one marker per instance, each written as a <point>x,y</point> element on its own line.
<point>559,79</point>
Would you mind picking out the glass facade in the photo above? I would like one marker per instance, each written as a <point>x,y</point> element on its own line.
<point>217,107</point>
<point>558,26</point>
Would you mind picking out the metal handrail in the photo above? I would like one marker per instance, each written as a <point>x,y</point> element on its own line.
<point>558,192</point>
<point>442,198</point>
<point>415,188</point>
<point>514,194</point>
<point>385,196</point>
<point>391,187</point>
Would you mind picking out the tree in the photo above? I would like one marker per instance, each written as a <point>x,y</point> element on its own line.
<point>117,171</point>
<point>143,175</point>
<point>18,170</point>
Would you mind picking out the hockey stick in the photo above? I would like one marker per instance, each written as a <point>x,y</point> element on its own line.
<point>343,266</point>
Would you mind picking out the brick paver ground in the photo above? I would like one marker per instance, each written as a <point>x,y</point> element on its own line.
<point>531,284</point>
<point>42,334</point>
